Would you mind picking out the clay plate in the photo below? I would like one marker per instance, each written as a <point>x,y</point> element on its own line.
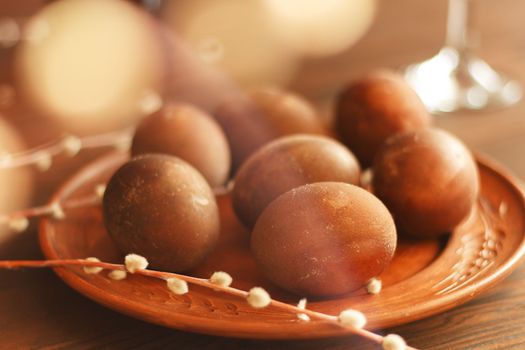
<point>425,277</point>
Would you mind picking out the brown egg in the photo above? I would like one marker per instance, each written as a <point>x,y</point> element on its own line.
<point>286,163</point>
<point>427,179</point>
<point>252,121</point>
<point>160,207</point>
<point>375,107</point>
<point>324,239</point>
<point>188,133</point>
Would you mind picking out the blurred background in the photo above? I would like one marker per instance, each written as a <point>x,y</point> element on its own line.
<point>86,67</point>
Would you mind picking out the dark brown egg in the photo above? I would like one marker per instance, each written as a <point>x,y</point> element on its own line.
<point>286,163</point>
<point>324,239</point>
<point>190,134</point>
<point>162,208</point>
<point>427,179</point>
<point>374,108</point>
<point>252,121</point>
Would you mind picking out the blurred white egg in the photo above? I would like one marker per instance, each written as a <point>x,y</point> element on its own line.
<point>237,36</point>
<point>88,63</point>
<point>321,27</point>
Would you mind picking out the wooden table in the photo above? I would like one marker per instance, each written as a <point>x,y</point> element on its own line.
<point>39,311</point>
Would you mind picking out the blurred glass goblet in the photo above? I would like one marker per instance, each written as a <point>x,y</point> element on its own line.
<point>456,78</point>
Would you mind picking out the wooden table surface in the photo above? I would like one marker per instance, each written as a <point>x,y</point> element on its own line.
<point>38,311</point>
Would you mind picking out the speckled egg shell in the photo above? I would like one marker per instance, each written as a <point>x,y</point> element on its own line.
<point>189,133</point>
<point>161,208</point>
<point>286,163</point>
<point>374,108</point>
<point>428,179</point>
<point>324,239</point>
<point>253,120</point>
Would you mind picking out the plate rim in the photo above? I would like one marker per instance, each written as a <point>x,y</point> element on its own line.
<point>443,303</point>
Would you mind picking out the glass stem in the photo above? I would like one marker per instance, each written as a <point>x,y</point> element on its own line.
<point>460,33</point>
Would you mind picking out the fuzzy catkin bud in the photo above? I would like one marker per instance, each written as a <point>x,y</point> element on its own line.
<point>303,317</point>
<point>134,262</point>
<point>374,286</point>
<point>394,342</point>
<point>177,286</point>
<point>258,298</point>
<point>18,224</point>
<point>72,145</point>
<point>117,275</point>
<point>221,278</point>
<point>366,178</point>
<point>100,189</point>
<point>43,161</point>
<point>57,211</point>
<point>302,305</point>
<point>352,318</point>
<point>92,270</point>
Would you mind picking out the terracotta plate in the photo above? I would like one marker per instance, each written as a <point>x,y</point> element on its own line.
<point>425,277</point>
